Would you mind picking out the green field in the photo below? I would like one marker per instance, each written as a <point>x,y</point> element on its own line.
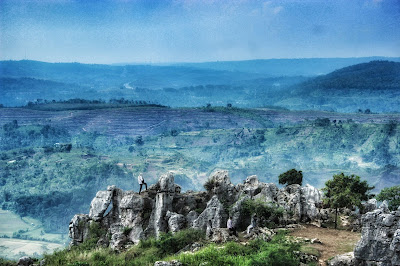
<point>14,248</point>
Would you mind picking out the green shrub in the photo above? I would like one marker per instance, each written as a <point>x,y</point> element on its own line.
<point>392,195</point>
<point>210,184</point>
<point>127,230</point>
<point>170,244</point>
<point>268,214</point>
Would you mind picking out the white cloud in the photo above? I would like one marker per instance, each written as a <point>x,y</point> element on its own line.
<point>278,9</point>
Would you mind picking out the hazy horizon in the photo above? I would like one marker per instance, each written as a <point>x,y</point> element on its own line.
<point>180,31</point>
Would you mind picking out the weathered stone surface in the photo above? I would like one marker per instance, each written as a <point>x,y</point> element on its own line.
<point>262,233</point>
<point>310,198</point>
<point>223,187</point>
<point>369,206</point>
<point>79,228</point>
<point>252,186</point>
<point>380,238</point>
<point>158,223</point>
<point>239,219</point>
<point>100,203</point>
<point>290,199</point>
<point>191,217</point>
<point>215,212</point>
<point>176,221</point>
<point>346,259</point>
<point>25,261</point>
<point>118,240</point>
<point>269,193</point>
<point>221,235</point>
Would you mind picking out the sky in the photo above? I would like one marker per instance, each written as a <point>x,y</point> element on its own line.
<point>167,31</point>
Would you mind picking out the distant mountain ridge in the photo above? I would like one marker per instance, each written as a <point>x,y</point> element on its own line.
<point>374,85</point>
<point>291,83</point>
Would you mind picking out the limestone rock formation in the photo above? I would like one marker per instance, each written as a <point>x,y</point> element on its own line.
<point>127,217</point>
<point>100,203</point>
<point>223,188</point>
<point>346,259</point>
<point>380,238</point>
<point>214,212</point>
<point>79,228</point>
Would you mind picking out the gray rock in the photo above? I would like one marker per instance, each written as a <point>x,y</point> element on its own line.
<point>252,186</point>
<point>176,222</point>
<point>290,199</point>
<point>223,187</point>
<point>215,212</point>
<point>262,233</point>
<point>100,203</point>
<point>79,229</point>
<point>221,235</point>
<point>239,219</point>
<point>310,198</point>
<point>191,217</point>
<point>346,259</point>
<point>380,238</point>
<point>118,241</point>
<point>268,193</point>
<point>25,261</point>
<point>369,206</point>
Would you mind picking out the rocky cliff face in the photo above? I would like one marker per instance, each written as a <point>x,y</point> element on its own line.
<point>126,217</point>
<point>380,238</point>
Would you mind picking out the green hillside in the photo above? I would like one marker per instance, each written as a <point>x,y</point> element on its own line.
<point>51,169</point>
<point>363,86</point>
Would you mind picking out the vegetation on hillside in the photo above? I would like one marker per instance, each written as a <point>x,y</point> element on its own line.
<point>345,192</point>
<point>279,251</point>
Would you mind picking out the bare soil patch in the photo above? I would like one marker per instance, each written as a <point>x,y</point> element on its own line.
<point>334,241</point>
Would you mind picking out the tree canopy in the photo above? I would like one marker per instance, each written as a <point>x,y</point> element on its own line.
<point>391,195</point>
<point>345,192</point>
<point>291,177</point>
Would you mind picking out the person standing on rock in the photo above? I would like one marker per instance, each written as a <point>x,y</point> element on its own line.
<point>141,182</point>
<point>232,230</point>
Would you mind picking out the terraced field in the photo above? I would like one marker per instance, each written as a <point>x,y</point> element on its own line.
<point>147,121</point>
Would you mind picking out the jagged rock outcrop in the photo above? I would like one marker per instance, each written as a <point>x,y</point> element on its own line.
<point>127,217</point>
<point>78,229</point>
<point>380,238</point>
<point>100,203</point>
<point>223,188</point>
<point>214,212</point>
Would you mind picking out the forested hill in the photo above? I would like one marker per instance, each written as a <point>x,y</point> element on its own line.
<point>375,75</point>
<point>288,67</point>
<point>363,86</point>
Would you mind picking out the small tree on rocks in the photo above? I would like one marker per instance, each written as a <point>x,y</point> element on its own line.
<point>291,177</point>
<point>345,192</point>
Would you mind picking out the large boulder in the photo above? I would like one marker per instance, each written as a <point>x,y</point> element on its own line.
<point>289,198</point>
<point>380,238</point>
<point>100,203</point>
<point>252,186</point>
<point>176,221</point>
<point>240,219</point>
<point>346,259</point>
<point>214,212</point>
<point>79,228</point>
<point>25,261</point>
<point>222,187</point>
<point>310,199</point>
<point>268,193</point>
<point>221,235</point>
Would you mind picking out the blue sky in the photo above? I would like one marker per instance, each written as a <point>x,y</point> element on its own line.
<point>150,31</point>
